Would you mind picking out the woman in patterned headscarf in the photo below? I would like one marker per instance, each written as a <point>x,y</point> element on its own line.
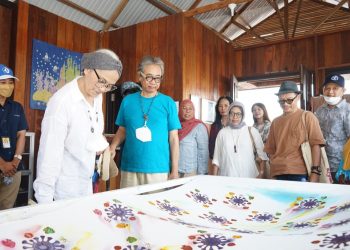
<point>193,138</point>
<point>234,149</point>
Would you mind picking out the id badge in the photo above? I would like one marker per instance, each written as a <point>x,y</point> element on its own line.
<point>6,142</point>
<point>144,134</point>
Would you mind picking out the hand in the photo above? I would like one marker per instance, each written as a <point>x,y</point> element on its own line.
<point>314,178</point>
<point>260,175</point>
<point>8,168</point>
<point>173,175</point>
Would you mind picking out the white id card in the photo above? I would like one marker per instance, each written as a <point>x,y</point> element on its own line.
<point>144,134</point>
<point>6,142</point>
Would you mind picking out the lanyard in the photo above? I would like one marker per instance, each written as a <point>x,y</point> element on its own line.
<point>145,115</point>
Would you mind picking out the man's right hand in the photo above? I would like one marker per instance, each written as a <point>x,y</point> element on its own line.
<point>8,168</point>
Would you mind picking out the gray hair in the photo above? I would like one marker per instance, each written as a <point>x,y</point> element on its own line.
<point>150,60</point>
<point>103,59</point>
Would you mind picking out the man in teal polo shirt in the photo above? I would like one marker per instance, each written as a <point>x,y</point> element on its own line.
<point>148,122</point>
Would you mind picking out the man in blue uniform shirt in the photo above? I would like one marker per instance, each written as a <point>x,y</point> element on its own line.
<point>13,126</point>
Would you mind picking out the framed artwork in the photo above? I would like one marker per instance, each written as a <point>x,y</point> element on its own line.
<point>208,111</point>
<point>197,106</point>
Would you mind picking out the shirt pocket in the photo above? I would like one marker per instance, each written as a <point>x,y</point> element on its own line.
<point>297,136</point>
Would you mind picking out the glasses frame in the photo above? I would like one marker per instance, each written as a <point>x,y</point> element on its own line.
<point>289,101</point>
<point>108,86</point>
<point>238,115</point>
<point>156,79</point>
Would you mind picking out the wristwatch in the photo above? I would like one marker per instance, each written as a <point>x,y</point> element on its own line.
<point>19,157</point>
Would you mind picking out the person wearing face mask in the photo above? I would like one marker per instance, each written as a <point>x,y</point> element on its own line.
<point>287,133</point>
<point>234,150</point>
<point>334,118</point>
<point>72,130</point>
<point>12,132</point>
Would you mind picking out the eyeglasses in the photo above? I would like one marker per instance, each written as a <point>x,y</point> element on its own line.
<point>238,115</point>
<point>104,84</point>
<point>150,78</point>
<point>288,101</point>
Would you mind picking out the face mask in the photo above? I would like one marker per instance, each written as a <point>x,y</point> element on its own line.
<point>6,89</point>
<point>332,100</point>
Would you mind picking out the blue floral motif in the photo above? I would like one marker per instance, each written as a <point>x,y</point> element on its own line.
<point>41,243</point>
<point>336,241</point>
<point>211,242</point>
<point>119,212</point>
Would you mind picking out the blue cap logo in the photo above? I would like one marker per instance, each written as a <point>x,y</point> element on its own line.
<point>335,78</point>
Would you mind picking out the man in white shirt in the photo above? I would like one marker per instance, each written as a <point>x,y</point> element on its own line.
<point>72,130</point>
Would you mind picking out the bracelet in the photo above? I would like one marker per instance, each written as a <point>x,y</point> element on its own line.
<point>314,172</point>
<point>316,168</point>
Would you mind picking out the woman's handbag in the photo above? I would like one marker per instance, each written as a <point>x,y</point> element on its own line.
<point>325,176</point>
<point>258,160</point>
<point>106,166</point>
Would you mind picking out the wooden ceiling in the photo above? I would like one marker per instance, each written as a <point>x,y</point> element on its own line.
<point>253,23</point>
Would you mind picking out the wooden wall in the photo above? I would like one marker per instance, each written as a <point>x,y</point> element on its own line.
<point>8,36</point>
<point>196,60</point>
<point>317,53</point>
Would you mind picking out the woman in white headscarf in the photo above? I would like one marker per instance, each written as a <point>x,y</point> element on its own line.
<point>234,147</point>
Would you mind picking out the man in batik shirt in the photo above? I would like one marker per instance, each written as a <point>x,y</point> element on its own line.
<point>334,119</point>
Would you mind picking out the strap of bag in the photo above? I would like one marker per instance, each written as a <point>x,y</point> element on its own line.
<point>303,118</point>
<point>252,139</point>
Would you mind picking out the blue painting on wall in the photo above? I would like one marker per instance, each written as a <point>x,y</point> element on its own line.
<point>52,68</point>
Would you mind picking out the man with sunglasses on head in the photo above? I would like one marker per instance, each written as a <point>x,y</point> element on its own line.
<point>334,118</point>
<point>287,133</point>
<point>72,130</point>
<point>148,123</point>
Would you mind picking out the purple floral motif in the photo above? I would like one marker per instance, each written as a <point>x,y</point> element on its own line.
<point>309,203</point>
<point>263,217</point>
<point>300,225</point>
<point>238,200</point>
<point>302,204</point>
<point>167,207</point>
<point>200,198</point>
<point>212,242</point>
<point>119,212</point>
<point>336,241</point>
<point>342,208</point>
<point>136,247</point>
<point>336,224</point>
<point>41,243</point>
<point>212,217</point>
<point>218,219</point>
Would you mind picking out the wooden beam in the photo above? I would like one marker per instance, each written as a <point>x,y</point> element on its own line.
<point>85,11</point>
<point>286,17</point>
<point>237,15</point>
<point>335,9</point>
<point>166,9</point>
<point>171,5</point>
<point>249,31</point>
<point>115,14</point>
<point>216,33</point>
<point>275,6</point>
<point>195,4</point>
<point>296,18</point>
<point>214,6</point>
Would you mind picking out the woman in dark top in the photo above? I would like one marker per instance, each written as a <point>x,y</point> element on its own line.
<point>221,120</point>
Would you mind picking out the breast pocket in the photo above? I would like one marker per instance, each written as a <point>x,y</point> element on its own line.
<point>296,136</point>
